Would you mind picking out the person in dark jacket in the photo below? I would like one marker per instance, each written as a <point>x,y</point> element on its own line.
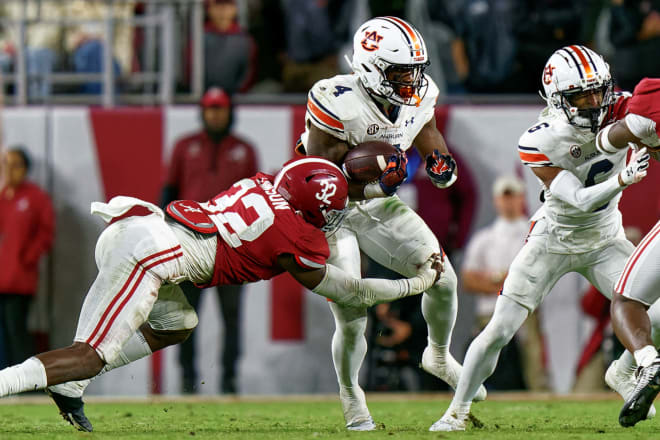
<point>203,164</point>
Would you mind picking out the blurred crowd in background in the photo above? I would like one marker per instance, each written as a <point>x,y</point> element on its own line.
<point>284,46</point>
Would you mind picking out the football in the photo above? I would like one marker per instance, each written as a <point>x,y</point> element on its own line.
<point>367,161</point>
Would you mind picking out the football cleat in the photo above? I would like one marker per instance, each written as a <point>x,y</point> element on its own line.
<point>623,383</point>
<point>362,425</point>
<point>448,423</point>
<point>648,386</point>
<point>354,406</point>
<point>446,368</point>
<point>72,410</point>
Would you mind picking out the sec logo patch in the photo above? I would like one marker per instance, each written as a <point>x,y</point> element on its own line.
<point>575,151</point>
<point>373,129</point>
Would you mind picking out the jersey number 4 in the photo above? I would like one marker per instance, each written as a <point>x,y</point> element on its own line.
<point>223,216</point>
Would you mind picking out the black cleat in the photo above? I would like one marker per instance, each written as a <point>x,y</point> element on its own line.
<point>72,410</point>
<point>646,390</point>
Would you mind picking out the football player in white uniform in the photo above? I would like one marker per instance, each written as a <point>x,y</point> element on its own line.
<point>388,98</point>
<point>577,229</point>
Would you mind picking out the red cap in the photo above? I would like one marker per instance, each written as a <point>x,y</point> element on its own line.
<point>215,97</point>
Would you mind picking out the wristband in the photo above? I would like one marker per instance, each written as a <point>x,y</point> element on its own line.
<point>603,143</point>
<point>373,190</point>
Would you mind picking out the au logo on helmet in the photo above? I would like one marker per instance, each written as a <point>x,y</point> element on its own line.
<point>547,74</point>
<point>371,40</point>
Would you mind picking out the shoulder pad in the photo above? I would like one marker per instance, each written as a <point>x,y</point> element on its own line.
<point>533,144</point>
<point>331,103</point>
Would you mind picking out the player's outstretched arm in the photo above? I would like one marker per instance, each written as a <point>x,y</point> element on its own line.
<point>440,165</point>
<point>567,187</point>
<point>335,284</point>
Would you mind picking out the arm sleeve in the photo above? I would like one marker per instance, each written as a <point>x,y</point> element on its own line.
<point>342,288</point>
<point>565,186</point>
<point>42,241</point>
<point>640,126</point>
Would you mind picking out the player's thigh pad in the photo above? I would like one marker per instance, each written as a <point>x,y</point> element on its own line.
<point>640,279</point>
<point>393,235</point>
<point>534,271</point>
<point>134,256</point>
<point>605,265</point>
<point>172,310</point>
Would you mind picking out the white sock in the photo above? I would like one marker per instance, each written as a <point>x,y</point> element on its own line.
<point>645,355</point>
<point>28,376</point>
<point>440,352</point>
<point>135,348</point>
<point>439,307</point>
<point>483,353</point>
<point>459,410</point>
<point>626,363</point>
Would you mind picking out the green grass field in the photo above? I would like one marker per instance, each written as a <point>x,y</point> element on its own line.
<point>399,416</point>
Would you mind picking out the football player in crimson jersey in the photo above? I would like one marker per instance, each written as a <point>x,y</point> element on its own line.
<point>637,288</point>
<point>259,228</point>
<point>387,98</point>
<point>577,229</point>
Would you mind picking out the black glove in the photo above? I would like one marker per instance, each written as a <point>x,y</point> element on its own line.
<point>440,168</point>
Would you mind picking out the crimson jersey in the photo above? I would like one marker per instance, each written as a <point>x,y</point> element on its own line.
<point>254,225</point>
<point>646,101</point>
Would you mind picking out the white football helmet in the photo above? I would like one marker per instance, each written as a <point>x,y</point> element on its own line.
<point>572,72</point>
<point>387,45</point>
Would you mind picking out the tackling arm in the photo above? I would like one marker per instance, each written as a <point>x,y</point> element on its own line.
<point>335,284</point>
<point>440,165</point>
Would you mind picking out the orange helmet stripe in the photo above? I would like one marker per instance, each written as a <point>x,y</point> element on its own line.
<point>411,33</point>
<point>583,60</point>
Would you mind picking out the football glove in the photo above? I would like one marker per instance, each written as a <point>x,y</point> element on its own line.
<point>395,173</point>
<point>635,171</point>
<point>440,168</point>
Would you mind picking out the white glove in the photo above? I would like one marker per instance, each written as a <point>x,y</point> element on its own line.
<point>635,171</point>
<point>425,278</point>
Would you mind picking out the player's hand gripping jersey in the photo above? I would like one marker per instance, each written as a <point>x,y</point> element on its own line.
<point>255,225</point>
<point>341,107</point>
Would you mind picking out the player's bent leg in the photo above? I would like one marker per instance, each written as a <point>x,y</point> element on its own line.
<point>439,307</point>
<point>349,346</point>
<point>480,361</point>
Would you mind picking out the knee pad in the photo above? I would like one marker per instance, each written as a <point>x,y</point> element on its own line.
<point>172,311</point>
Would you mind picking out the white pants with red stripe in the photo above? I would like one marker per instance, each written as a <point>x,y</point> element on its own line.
<point>135,256</point>
<point>640,279</point>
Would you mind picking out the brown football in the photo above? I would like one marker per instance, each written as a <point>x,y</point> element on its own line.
<point>367,161</point>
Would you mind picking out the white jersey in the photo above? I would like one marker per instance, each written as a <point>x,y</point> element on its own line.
<point>341,107</point>
<point>554,142</point>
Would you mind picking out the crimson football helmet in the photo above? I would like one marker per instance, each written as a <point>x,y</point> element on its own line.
<point>317,189</point>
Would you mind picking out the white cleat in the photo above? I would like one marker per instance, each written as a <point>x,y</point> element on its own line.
<point>624,384</point>
<point>448,370</point>
<point>356,413</point>
<point>448,423</point>
<point>362,425</point>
